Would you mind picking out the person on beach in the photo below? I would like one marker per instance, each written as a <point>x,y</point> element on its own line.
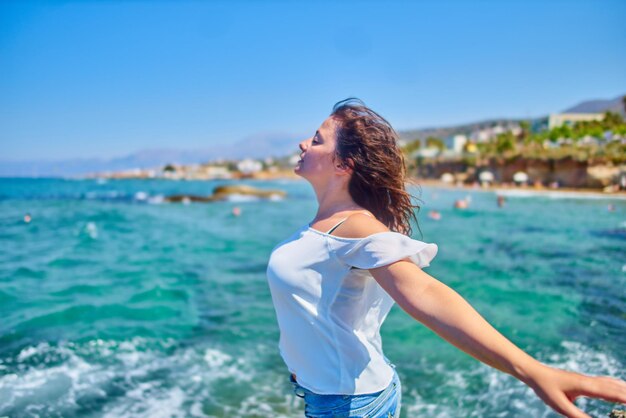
<point>334,280</point>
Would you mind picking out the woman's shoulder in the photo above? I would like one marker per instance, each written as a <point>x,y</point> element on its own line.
<point>360,225</point>
<point>368,243</point>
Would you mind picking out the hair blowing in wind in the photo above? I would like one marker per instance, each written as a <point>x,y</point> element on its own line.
<point>368,144</point>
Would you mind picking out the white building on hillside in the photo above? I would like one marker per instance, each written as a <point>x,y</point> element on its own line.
<point>426,152</point>
<point>249,166</point>
<point>482,135</point>
<point>558,119</point>
<point>456,143</point>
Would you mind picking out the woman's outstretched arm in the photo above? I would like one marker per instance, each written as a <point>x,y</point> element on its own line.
<point>445,312</point>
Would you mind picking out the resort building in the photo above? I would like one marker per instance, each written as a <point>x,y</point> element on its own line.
<point>249,166</point>
<point>558,119</point>
<point>456,143</point>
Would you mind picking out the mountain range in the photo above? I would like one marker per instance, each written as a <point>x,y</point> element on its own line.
<point>615,105</point>
<point>259,146</point>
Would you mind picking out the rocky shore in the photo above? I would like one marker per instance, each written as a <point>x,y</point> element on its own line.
<point>564,173</point>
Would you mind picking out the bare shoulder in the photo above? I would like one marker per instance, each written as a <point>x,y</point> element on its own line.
<point>360,225</point>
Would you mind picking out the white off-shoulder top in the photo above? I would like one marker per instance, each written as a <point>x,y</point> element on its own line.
<point>329,313</point>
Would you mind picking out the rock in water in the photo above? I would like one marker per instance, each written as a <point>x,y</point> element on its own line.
<point>190,198</point>
<point>242,189</point>
<point>223,192</point>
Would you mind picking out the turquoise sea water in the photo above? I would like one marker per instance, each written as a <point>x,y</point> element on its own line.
<point>114,304</point>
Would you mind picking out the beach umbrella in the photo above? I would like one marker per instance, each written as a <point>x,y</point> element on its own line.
<point>447,178</point>
<point>520,177</point>
<point>486,177</point>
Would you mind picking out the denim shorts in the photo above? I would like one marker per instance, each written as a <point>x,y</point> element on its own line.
<point>383,404</point>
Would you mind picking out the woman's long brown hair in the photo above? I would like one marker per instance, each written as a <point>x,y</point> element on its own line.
<point>367,143</point>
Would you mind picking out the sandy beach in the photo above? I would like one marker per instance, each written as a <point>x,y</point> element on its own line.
<point>526,190</point>
<point>503,189</point>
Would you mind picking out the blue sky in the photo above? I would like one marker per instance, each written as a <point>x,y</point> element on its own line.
<point>104,79</point>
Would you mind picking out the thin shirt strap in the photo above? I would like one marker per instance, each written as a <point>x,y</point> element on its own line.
<point>343,220</point>
<point>336,225</point>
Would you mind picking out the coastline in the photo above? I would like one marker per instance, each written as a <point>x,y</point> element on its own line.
<point>521,191</point>
<point>503,189</point>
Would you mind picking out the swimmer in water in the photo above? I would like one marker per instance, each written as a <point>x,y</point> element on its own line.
<point>461,204</point>
<point>236,211</point>
<point>27,218</point>
<point>433,214</point>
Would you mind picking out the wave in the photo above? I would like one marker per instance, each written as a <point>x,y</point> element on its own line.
<point>499,394</point>
<point>163,378</point>
<point>558,194</point>
<point>138,378</point>
<point>99,196</point>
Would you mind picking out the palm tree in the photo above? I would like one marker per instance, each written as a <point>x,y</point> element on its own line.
<point>524,131</point>
<point>434,142</point>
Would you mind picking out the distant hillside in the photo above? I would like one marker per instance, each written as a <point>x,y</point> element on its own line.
<point>590,106</point>
<point>258,146</point>
<point>599,106</point>
<point>443,132</point>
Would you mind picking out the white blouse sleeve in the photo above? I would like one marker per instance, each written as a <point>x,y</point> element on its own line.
<point>383,248</point>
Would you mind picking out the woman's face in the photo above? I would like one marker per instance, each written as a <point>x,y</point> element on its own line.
<point>317,153</point>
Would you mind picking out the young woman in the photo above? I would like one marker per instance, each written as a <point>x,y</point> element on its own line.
<point>335,279</point>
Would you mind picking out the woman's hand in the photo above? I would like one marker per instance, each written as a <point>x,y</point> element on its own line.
<point>559,388</point>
